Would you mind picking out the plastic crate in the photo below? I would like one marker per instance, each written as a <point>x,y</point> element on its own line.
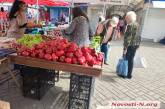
<point>81,90</point>
<point>37,81</point>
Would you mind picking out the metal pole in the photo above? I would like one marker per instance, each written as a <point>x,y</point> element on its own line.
<point>104,9</point>
<point>147,12</point>
<point>72,6</point>
<point>37,12</point>
<point>72,3</point>
<point>146,15</point>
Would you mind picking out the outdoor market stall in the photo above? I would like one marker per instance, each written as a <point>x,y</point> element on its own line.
<point>34,10</point>
<point>51,53</point>
<point>81,79</point>
<point>82,73</point>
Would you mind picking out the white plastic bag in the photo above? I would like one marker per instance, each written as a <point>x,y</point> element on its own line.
<point>140,62</point>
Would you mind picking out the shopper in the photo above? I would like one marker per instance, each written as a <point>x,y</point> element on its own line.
<point>3,19</point>
<point>106,30</point>
<point>79,30</point>
<point>131,40</point>
<point>17,20</point>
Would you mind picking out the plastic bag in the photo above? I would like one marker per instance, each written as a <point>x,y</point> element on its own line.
<point>122,67</point>
<point>140,62</point>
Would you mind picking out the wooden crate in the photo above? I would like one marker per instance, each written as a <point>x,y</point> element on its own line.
<point>4,105</point>
<point>41,63</point>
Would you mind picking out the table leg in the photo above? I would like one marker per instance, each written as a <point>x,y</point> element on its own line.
<point>81,89</point>
<point>14,78</point>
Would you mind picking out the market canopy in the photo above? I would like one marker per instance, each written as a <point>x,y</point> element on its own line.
<point>40,2</point>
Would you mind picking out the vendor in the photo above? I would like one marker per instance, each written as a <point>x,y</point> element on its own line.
<point>17,20</point>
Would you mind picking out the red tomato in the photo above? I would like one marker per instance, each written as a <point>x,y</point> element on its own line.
<point>48,57</point>
<point>68,60</point>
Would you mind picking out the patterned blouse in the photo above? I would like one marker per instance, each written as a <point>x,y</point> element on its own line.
<point>17,26</point>
<point>78,31</point>
<point>130,37</point>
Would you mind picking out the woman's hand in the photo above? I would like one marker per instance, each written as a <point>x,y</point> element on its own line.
<point>39,26</point>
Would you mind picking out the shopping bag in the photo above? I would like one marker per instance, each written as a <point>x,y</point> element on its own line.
<point>140,62</point>
<point>122,67</point>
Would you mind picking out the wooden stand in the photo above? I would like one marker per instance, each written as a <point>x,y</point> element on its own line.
<point>81,80</point>
<point>41,63</point>
<point>4,105</point>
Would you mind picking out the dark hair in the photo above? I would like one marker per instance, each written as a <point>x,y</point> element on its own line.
<point>2,9</point>
<point>100,19</point>
<point>77,11</point>
<point>15,8</point>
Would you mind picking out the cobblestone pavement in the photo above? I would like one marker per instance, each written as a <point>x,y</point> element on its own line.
<point>146,84</point>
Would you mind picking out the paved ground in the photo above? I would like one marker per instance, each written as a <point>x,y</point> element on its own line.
<point>146,84</point>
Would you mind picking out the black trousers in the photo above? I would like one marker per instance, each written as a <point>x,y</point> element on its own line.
<point>131,51</point>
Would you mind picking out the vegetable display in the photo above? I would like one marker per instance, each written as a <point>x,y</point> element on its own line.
<point>61,50</point>
<point>30,40</point>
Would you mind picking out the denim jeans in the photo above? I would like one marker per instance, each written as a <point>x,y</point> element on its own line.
<point>131,50</point>
<point>104,49</point>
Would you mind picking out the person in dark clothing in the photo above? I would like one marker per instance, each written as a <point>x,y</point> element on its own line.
<point>131,41</point>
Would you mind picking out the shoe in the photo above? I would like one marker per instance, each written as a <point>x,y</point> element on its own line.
<point>106,63</point>
<point>121,76</point>
<point>129,77</point>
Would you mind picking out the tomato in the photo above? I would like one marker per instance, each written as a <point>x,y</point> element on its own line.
<point>74,60</point>
<point>62,59</point>
<point>54,57</point>
<point>69,54</point>
<point>81,60</point>
<point>68,60</point>
<point>59,53</point>
<point>88,57</point>
<point>41,55</point>
<point>78,53</point>
<point>48,57</point>
<point>25,53</point>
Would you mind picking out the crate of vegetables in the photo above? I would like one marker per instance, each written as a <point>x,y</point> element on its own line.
<point>62,52</point>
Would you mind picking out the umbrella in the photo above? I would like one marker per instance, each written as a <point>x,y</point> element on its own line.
<point>52,3</point>
<point>40,2</point>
